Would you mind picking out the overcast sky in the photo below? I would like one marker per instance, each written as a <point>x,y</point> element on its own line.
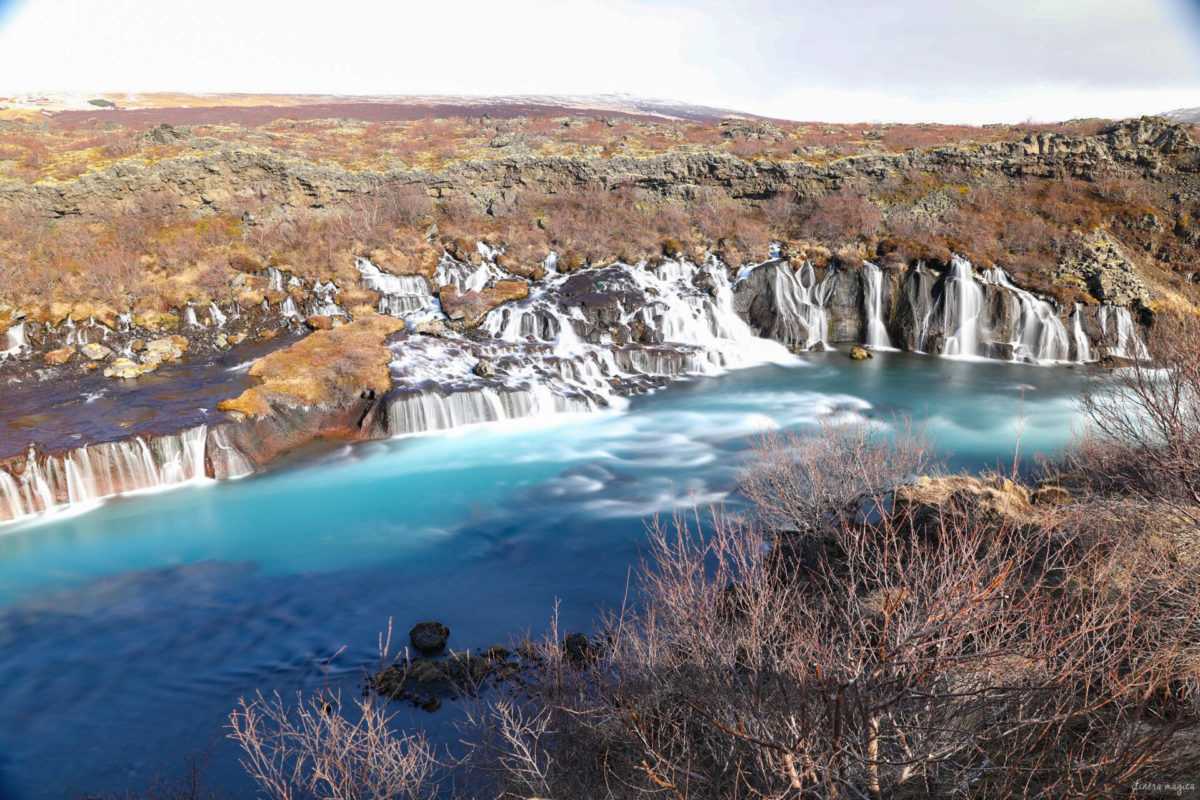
<point>843,60</point>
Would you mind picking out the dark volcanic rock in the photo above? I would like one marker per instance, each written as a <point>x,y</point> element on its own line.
<point>429,637</point>
<point>578,649</point>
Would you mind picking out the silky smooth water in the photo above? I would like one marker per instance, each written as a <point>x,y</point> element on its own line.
<point>128,633</point>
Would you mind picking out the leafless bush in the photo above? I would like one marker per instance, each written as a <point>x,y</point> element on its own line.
<point>840,216</point>
<point>316,751</point>
<point>802,483</point>
<point>950,648</point>
<point>1143,441</point>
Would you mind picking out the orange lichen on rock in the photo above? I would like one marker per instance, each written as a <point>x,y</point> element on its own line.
<point>471,307</point>
<point>328,368</point>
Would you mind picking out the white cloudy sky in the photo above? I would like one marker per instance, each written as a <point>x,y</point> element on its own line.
<point>848,60</point>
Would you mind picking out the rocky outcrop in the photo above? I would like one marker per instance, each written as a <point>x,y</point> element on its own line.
<point>327,369</point>
<point>1106,273</point>
<point>214,175</point>
<point>471,307</point>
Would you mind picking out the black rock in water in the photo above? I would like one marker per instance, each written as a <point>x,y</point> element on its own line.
<point>429,637</point>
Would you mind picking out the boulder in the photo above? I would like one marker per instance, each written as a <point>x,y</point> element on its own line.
<point>96,351</point>
<point>328,369</point>
<point>860,353</point>
<point>471,307</point>
<point>578,650</point>
<point>126,369</point>
<point>430,327</point>
<point>319,322</point>
<point>60,356</point>
<point>425,671</point>
<point>169,348</point>
<point>484,369</point>
<point>429,637</point>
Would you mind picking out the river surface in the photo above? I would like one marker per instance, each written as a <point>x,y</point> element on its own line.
<point>128,633</point>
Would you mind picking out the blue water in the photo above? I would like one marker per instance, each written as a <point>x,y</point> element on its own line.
<point>128,633</point>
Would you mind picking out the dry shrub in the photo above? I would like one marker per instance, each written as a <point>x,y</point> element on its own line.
<point>801,483</point>
<point>316,750</point>
<point>1143,439</point>
<point>941,649</point>
<point>840,216</point>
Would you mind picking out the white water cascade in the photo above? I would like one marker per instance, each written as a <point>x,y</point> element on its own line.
<point>216,317</point>
<point>547,357</point>
<point>877,335</point>
<point>323,302</point>
<point>963,300</point>
<point>468,277</point>
<point>1129,344</point>
<point>799,303</point>
<point>15,339</point>
<point>399,295</point>
<point>1083,346</point>
<point>1039,335</point>
<point>88,474</point>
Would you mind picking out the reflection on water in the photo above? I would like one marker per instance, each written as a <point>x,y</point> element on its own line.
<point>128,633</point>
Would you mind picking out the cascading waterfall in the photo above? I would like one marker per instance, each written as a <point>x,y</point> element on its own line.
<point>877,335</point>
<point>427,412</point>
<point>963,300</point>
<point>799,303</point>
<point>1129,344</point>
<point>90,473</point>
<point>322,302</point>
<point>1039,334</point>
<point>399,295</point>
<point>560,351</point>
<point>1083,347</point>
<point>468,277</point>
<point>920,298</point>
<point>15,338</point>
<point>547,358</point>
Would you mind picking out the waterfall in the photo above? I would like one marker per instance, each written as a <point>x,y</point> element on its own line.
<point>427,412</point>
<point>799,303</point>
<point>920,300</point>
<point>467,277</point>
<point>216,317</point>
<point>93,472</point>
<point>399,295</point>
<point>225,460</point>
<point>963,300</point>
<point>288,308</point>
<point>189,317</point>
<point>16,340</point>
<point>877,335</point>
<point>1039,335</point>
<point>1129,344</point>
<point>323,303</point>
<point>549,357</point>
<point>1083,347</point>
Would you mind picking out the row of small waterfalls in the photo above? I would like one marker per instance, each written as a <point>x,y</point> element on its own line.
<point>583,341</point>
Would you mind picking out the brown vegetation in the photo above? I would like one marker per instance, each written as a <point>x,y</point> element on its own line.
<point>947,641</point>
<point>148,255</point>
<point>327,368</point>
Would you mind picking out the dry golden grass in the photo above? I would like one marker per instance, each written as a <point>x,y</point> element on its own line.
<point>327,368</point>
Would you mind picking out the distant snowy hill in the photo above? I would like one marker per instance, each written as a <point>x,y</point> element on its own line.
<point>1183,115</point>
